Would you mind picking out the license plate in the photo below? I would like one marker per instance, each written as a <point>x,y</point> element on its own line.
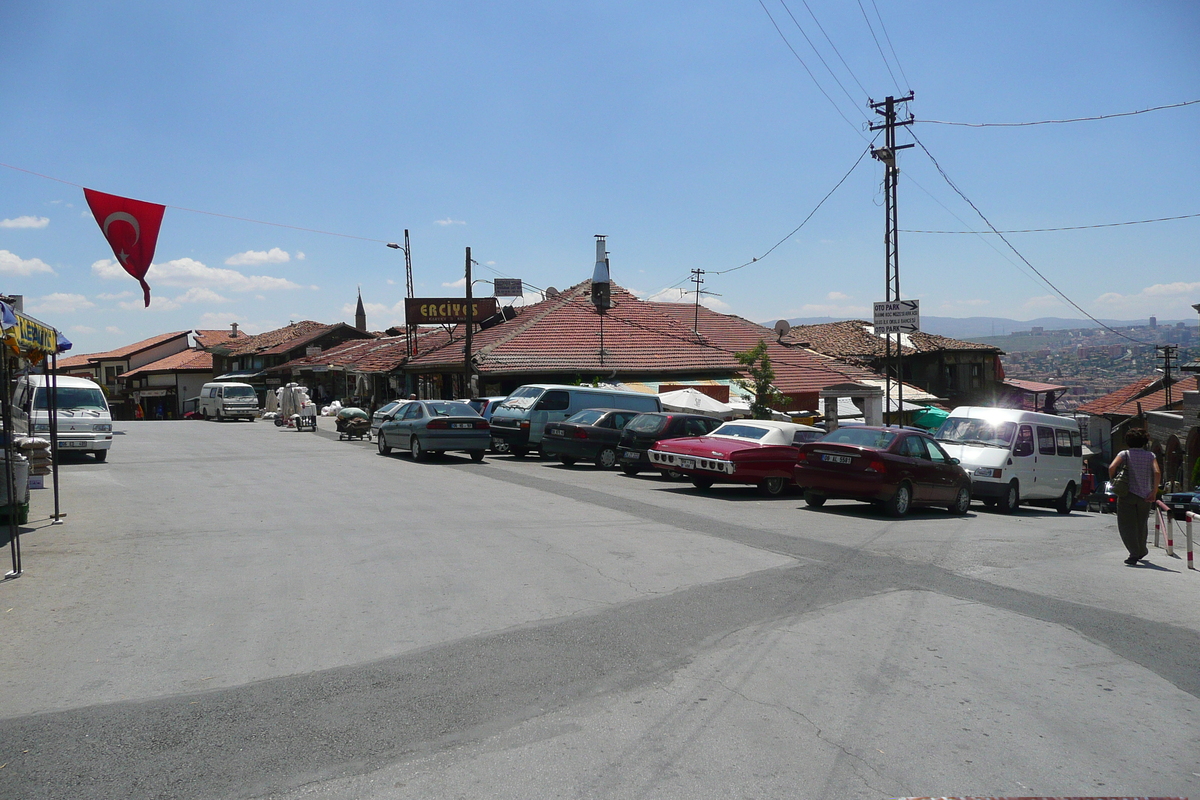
<point>461,425</point>
<point>837,459</point>
<point>687,463</point>
<point>557,432</point>
<point>632,454</point>
<point>72,444</point>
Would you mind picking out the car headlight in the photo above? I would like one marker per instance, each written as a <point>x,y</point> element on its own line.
<point>105,428</point>
<point>41,427</point>
<point>988,472</point>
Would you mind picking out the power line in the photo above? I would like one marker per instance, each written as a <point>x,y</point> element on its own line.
<point>1074,227</point>
<point>1046,280</point>
<point>876,38</point>
<point>835,50</point>
<point>853,102</point>
<point>891,47</point>
<point>809,71</point>
<point>1056,121</point>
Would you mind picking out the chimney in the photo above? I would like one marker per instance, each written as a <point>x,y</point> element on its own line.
<point>601,283</point>
<point>233,330</point>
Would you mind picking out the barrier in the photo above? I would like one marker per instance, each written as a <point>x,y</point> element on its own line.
<point>1191,515</point>
<point>1159,508</point>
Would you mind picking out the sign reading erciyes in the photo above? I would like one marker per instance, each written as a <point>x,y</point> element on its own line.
<point>444,310</point>
<point>506,287</point>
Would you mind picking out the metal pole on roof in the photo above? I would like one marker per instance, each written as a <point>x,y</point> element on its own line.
<point>470,324</point>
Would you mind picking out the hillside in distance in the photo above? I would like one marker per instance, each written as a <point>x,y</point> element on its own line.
<point>975,327</point>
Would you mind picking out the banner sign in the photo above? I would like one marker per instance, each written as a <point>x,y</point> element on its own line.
<point>507,287</point>
<point>33,335</point>
<point>898,316</point>
<point>446,310</point>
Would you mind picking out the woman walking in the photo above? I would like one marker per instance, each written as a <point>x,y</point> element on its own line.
<point>1134,508</point>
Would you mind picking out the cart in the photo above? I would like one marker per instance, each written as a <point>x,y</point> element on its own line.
<point>353,423</point>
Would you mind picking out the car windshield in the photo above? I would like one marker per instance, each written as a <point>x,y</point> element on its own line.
<point>646,423</point>
<point>72,397</point>
<point>389,408</point>
<point>524,397</point>
<point>587,417</point>
<point>741,431</point>
<point>239,391</point>
<point>450,410</point>
<point>863,437</point>
<point>966,430</point>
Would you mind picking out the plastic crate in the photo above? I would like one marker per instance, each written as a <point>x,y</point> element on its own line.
<point>21,510</point>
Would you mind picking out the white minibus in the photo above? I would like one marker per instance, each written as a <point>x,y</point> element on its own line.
<point>519,420</point>
<point>84,421</point>
<point>228,401</point>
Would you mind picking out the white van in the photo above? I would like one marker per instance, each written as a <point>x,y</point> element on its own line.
<point>84,421</point>
<point>228,401</point>
<point>1016,456</point>
<point>518,421</point>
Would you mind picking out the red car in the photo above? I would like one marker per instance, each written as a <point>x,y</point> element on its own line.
<point>896,468</point>
<point>754,451</point>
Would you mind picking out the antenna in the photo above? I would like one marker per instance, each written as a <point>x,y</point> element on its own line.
<point>782,327</point>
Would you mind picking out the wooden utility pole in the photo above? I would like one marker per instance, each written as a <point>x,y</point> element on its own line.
<point>470,324</point>
<point>696,279</point>
<point>891,237</point>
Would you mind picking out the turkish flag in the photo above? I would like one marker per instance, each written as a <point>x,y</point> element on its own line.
<point>131,228</point>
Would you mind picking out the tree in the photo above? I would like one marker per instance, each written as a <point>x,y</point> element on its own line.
<point>758,366</point>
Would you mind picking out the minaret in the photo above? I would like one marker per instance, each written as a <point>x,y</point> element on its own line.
<point>360,314</point>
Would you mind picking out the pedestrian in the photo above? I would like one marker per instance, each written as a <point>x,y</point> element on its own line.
<point>1133,509</point>
<point>138,413</point>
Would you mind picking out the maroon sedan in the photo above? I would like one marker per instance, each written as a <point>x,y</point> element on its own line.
<point>759,452</point>
<point>895,468</point>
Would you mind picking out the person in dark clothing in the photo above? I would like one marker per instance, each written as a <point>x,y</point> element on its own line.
<point>1134,508</point>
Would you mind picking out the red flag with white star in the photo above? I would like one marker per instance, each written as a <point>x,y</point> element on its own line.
<point>131,228</point>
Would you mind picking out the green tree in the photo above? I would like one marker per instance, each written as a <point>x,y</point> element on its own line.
<point>761,383</point>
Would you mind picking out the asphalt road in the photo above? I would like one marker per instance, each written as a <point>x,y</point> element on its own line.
<point>234,610</point>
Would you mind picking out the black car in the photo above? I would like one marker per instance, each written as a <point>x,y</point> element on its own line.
<point>1182,502</point>
<point>646,429</point>
<point>590,435</point>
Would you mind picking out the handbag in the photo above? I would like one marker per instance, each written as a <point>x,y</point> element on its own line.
<point>1120,483</point>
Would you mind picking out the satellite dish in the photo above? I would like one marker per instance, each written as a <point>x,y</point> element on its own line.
<point>551,292</point>
<point>782,327</point>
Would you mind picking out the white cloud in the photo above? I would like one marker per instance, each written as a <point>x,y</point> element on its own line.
<point>448,221</point>
<point>391,282</point>
<point>81,329</point>
<point>12,264</point>
<point>25,222</point>
<point>379,315</point>
<point>198,294</point>
<point>1043,303</point>
<point>300,255</point>
<point>458,284</point>
<point>254,258</point>
<point>837,296</point>
<point>114,296</point>
<point>684,296</point>
<point>1170,300</point>
<point>187,272</point>
<point>60,303</point>
<point>832,310</point>
<point>113,329</point>
<point>952,306</point>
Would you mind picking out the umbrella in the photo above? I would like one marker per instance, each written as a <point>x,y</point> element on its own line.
<point>929,417</point>
<point>694,402</point>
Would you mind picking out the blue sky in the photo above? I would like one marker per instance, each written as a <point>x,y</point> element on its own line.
<point>686,132</point>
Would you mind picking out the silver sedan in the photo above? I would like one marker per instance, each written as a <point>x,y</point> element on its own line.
<point>434,426</point>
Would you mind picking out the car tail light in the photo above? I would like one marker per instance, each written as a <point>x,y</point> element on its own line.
<point>482,424</point>
<point>877,466</point>
<point>580,433</point>
<point>437,425</point>
<point>524,424</point>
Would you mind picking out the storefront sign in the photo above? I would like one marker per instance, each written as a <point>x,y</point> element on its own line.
<point>443,310</point>
<point>312,350</point>
<point>507,287</point>
<point>33,335</point>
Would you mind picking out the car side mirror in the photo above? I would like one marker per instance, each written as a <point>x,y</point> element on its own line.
<point>954,461</point>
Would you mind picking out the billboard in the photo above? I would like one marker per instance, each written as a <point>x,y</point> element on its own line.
<point>446,310</point>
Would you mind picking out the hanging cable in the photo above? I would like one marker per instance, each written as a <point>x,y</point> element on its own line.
<point>1072,227</point>
<point>877,45</point>
<point>855,103</point>
<point>1057,121</point>
<point>891,47</point>
<point>835,50</point>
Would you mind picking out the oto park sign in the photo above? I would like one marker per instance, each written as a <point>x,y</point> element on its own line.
<point>898,316</point>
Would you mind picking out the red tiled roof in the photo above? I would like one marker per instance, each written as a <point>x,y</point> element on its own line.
<point>797,370</point>
<point>81,360</point>
<point>207,339</point>
<point>137,347</point>
<point>1032,386</point>
<point>296,332</point>
<point>851,339</point>
<point>183,361</point>
<point>1147,392</point>
<point>356,355</point>
<point>562,334</point>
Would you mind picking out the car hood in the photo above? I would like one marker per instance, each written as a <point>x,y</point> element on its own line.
<point>705,446</point>
<point>973,456</point>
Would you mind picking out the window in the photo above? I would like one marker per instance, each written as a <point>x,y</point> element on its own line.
<point>556,400</point>
<point>1076,444</point>
<point>587,417</point>
<point>976,376</point>
<point>1024,445</point>
<point>647,423</point>
<point>936,453</point>
<point>742,431</point>
<point>414,411</point>
<point>803,437</point>
<point>1046,444</point>
<point>863,437</point>
<point>1064,442</point>
<point>914,447</point>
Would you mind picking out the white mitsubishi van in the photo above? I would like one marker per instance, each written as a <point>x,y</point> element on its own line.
<point>84,421</point>
<point>518,421</point>
<point>228,401</point>
<point>1016,456</point>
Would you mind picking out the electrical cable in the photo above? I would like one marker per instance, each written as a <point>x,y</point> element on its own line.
<point>831,44</point>
<point>1056,121</point>
<point>1070,227</point>
<point>891,47</point>
<point>853,102</point>
<point>996,231</point>
<point>877,45</point>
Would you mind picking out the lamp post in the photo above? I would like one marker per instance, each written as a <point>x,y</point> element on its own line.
<point>409,330</point>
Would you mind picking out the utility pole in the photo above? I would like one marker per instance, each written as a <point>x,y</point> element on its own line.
<point>696,279</point>
<point>470,323</point>
<point>410,330</point>
<point>1168,352</point>
<point>891,237</point>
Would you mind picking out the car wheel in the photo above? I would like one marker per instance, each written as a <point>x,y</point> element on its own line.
<point>204,414</point>
<point>630,470</point>
<point>101,455</point>
<point>702,483</point>
<point>813,499</point>
<point>1011,499</point>
<point>901,500</point>
<point>672,475</point>
<point>606,458</point>
<point>1063,506</point>
<point>499,446</point>
<point>477,455</point>
<point>418,452</point>
<point>381,443</point>
<point>567,461</point>
<point>962,501</point>
<point>772,487</point>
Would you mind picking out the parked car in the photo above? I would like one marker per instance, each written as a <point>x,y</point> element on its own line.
<point>645,429</point>
<point>221,401</point>
<point>590,435</point>
<point>894,468</point>
<point>85,424</point>
<point>1182,502</point>
<point>758,452</point>
<point>434,426</point>
<point>484,406</point>
<point>382,413</point>
<point>522,417</point>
